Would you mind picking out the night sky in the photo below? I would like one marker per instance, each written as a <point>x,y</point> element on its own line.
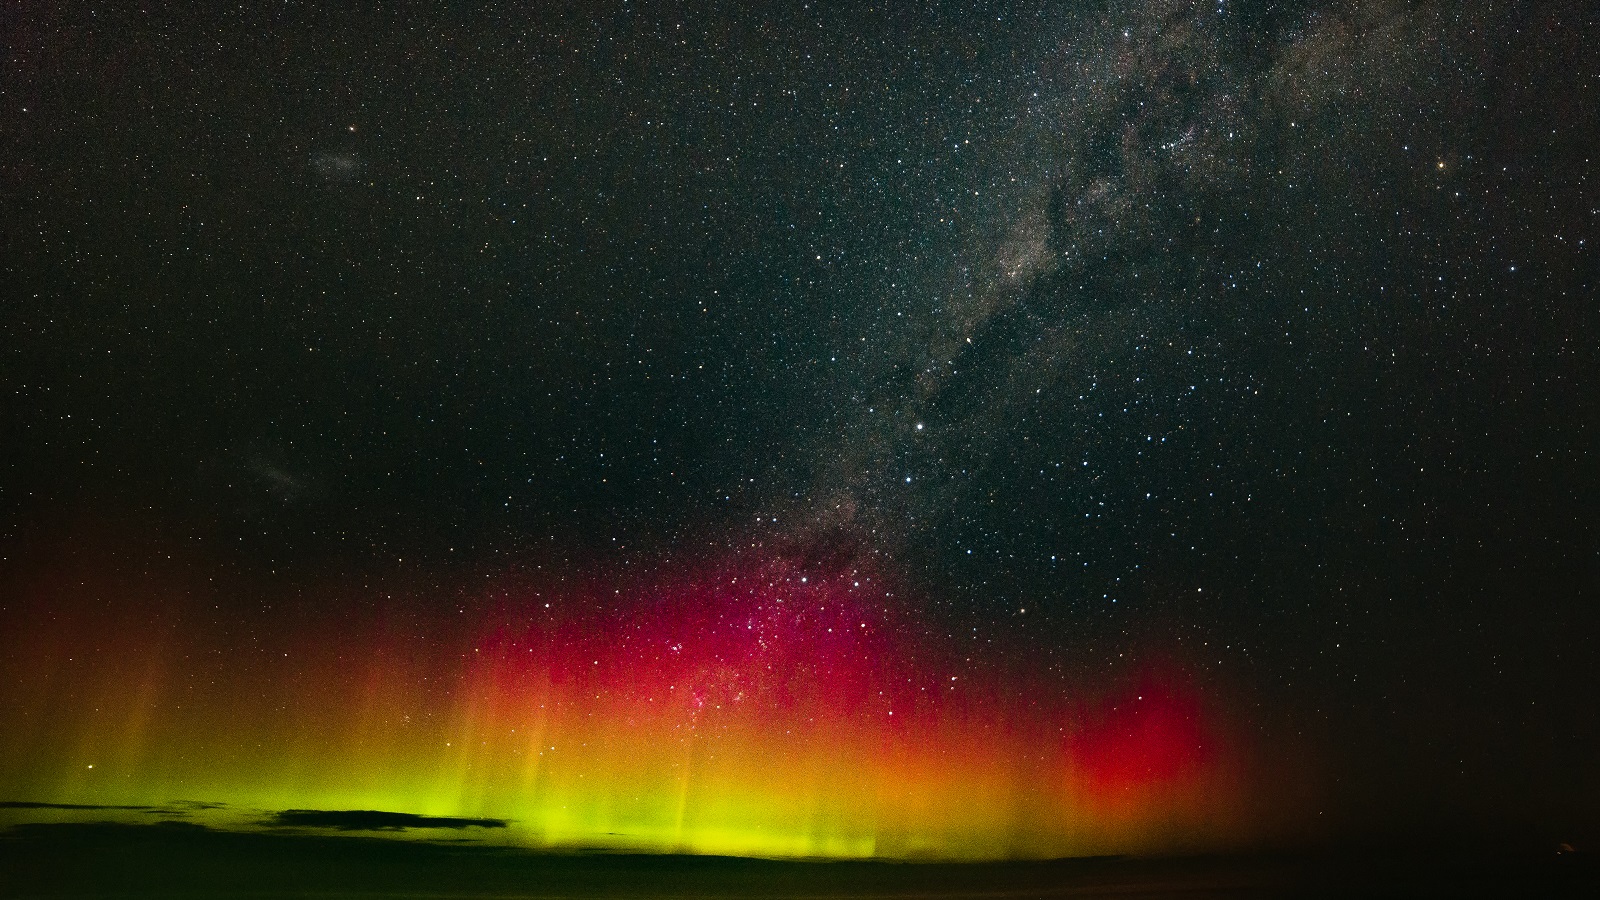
<point>935,430</point>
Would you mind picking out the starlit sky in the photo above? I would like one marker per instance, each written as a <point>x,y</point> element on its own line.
<point>925,431</point>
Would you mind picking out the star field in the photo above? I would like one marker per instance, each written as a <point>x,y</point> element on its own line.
<point>1240,354</point>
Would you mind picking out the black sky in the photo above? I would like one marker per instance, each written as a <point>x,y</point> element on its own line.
<point>1268,326</point>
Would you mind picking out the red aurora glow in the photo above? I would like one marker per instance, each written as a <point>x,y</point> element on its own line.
<point>758,707</point>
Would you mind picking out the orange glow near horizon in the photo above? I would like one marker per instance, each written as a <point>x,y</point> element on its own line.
<point>760,709</point>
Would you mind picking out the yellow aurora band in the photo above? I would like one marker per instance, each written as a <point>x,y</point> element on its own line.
<point>755,710</point>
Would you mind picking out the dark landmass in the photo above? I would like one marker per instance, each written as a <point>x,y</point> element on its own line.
<point>103,860</point>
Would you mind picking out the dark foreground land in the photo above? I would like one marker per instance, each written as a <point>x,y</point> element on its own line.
<point>187,861</point>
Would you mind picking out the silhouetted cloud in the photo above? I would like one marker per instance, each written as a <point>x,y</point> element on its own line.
<point>181,824</point>
<point>372,820</point>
